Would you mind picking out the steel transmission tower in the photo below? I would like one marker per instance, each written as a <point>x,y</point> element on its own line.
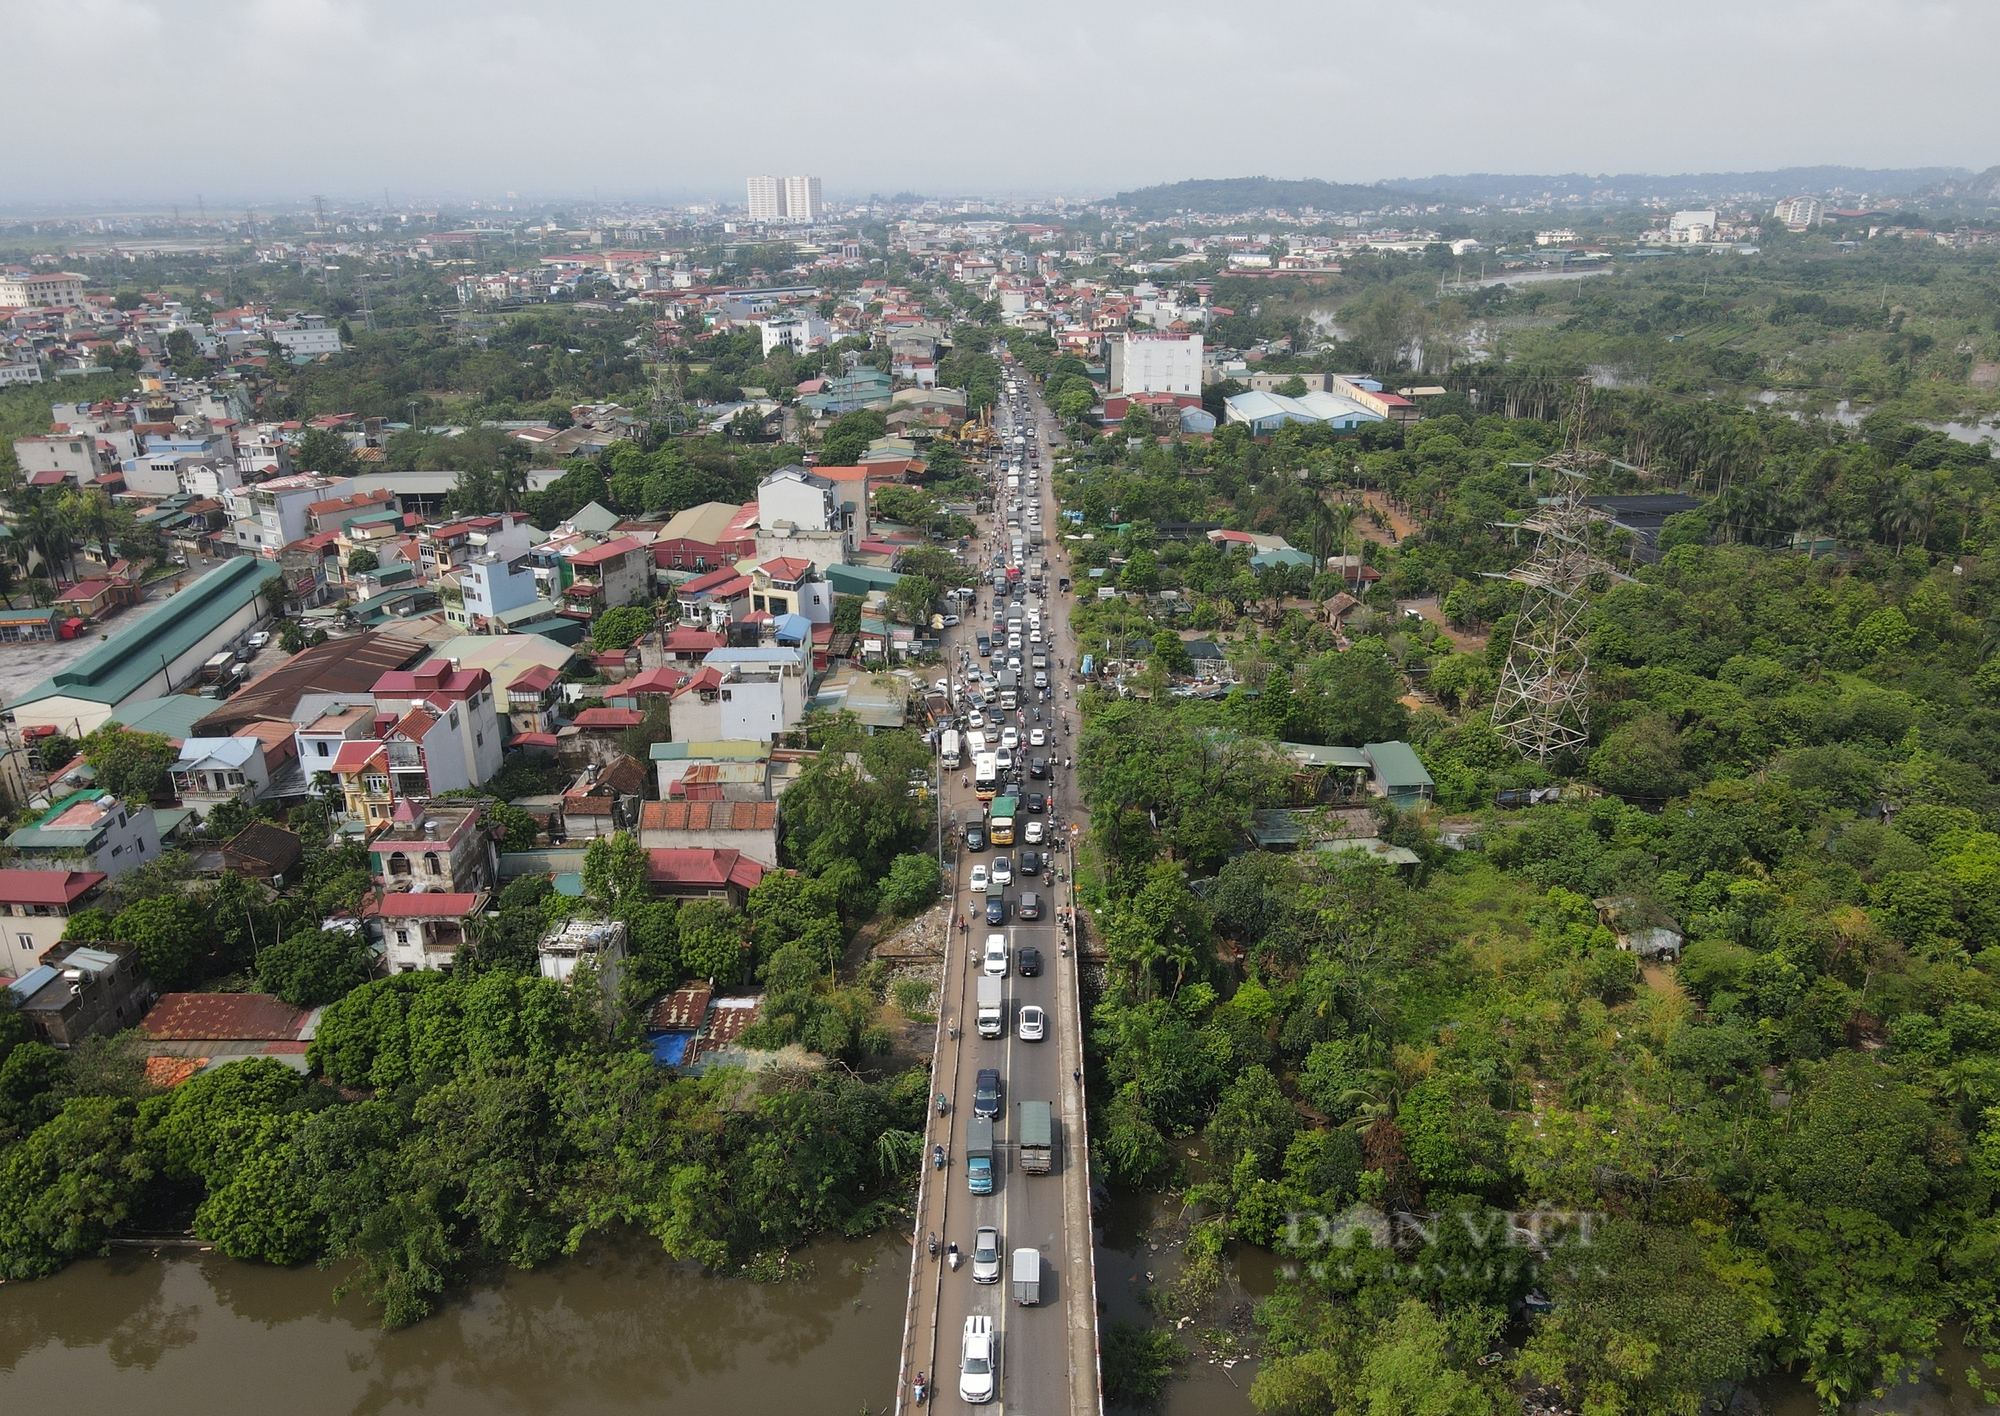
<point>1542,706</point>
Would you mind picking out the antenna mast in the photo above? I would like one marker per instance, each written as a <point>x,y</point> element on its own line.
<point>1542,706</point>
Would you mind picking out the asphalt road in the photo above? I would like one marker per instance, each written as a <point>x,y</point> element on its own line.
<point>1048,1355</point>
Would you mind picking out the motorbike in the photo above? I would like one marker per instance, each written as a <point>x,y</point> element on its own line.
<point>930,1240</point>
<point>920,1388</point>
<point>942,1104</point>
<point>937,1157</point>
<point>951,1255</point>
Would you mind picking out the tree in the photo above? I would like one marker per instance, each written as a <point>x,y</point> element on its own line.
<point>69,1184</point>
<point>1170,653</point>
<point>713,940</point>
<point>171,933</point>
<point>849,435</point>
<point>134,767</point>
<point>314,966</point>
<point>323,451</point>
<point>620,628</point>
<point>361,560</point>
<point>911,885</point>
<point>614,873</point>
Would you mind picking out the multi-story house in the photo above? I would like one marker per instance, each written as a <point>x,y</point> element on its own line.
<point>90,830</point>
<point>618,572</point>
<point>463,702</point>
<point>35,906</point>
<point>434,846</point>
<point>477,593</point>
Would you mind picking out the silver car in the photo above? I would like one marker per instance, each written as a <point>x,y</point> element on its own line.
<point>986,1257</point>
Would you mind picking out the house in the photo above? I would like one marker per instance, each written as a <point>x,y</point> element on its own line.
<point>704,537</point>
<point>81,990</point>
<point>686,647</point>
<point>330,723</point>
<point>605,800</point>
<point>96,599</point>
<point>750,827</point>
<point>35,906</point>
<point>92,831</point>
<point>150,655</point>
<point>790,585</point>
<point>217,1026</point>
<point>434,846</point>
<point>1400,776</point>
<point>597,942</point>
<point>461,744</point>
<point>360,773</point>
<point>211,771</point>
<point>424,930</point>
<point>532,699</point>
<point>743,694</point>
<point>716,599</point>
<point>702,874</point>
<point>673,760</point>
<point>478,594</point>
<point>262,851</point>
<point>507,657</point>
<point>618,572</point>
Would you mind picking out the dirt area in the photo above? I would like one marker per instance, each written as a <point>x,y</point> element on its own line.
<point>1661,979</point>
<point>1462,641</point>
<point>1399,524</point>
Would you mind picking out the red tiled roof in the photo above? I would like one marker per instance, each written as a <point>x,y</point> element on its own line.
<point>610,550</point>
<point>610,718</point>
<point>711,867</point>
<point>709,816</point>
<point>547,740</point>
<point>685,640</point>
<point>701,584</point>
<point>709,677</point>
<point>235,1017</point>
<point>660,680</point>
<point>685,1007</point>
<point>787,568</point>
<point>47,887</point>
<point>440,905</point>
<point>534,680</point>
<point>357,754</point>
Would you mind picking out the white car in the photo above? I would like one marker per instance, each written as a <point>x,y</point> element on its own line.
<point>994,961</point>
<point>975,719</point>
<point>1003,760</point>
<point>258,640</point>
<point>942,686</point>
<point>979,878</point>
<point>1014,640</point>
<point>1003,871</point>
<point>951,621</point>
<point>1034,1023</point>
<point>976,1361</point>
<point>1009,737</point>
<point>1034,636</point>
<point>1036,833</point>
<point>1038,737</point>
<point>986,1256</point>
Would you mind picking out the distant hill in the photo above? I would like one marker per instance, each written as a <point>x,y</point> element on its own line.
<point>1239,194</point>
<point>1232,195</point>
<point>1967,190</point>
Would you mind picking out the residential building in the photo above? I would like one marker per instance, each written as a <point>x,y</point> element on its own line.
<point>480,592</point>
<point>604,800</point>
<point>531,701</point>
<point>795,330</point>
<point>208,1026</point>
<point>504,535</point>
<point>75,457</point>
<point>434,845</point>
<point>742,694</point>
<point>706,537</point>
<point>360,774</point>
<point>309,338</point>
<point>35,906</point>
<point>90,830</point>
<point>1691,227</point>
<point>672,761</point>
<point>42,290</point>
<point>767,199</point>
<point>1800,213</point>
<point>424,930</point>
<point>313,681</point>
<point>618,572</point>
<point>706,874</point>
<point>747,826</point>
<point>598,943</point>
<point>268,516</point>
<point>1156,361</point>
<point>82,990</point>
<point>790,585</point>
<point>1399,774</point>
<point>462,708</point>
<point>262,851</point>
<point>507,657</point>
<point>214,770</point>
<point>802,200</point>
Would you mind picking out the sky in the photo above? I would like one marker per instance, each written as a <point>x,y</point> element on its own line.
<point>226,101</point>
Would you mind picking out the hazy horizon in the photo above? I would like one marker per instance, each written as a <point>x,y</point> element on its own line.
<point>621,101</point>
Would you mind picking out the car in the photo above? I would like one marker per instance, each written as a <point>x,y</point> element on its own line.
<point>1029,906</point>
<point>1036,803</point>
<point>1010,737</point>
<point>1014,662</point>
<point>1038,767</point>
<point>258,640</point>
<point>1003,871</point>
<point>1029,865</point>
<point>1034,1023</point>
<point>979,879</point>
<point>1003,759</point>
<point>986,1093</point>
<point>1038,737</point>
<point>975,719</point>
<point>951,621</point>
<point>1013,641</point>
<point>976,1362</point>
<point>996,956</point>
<point>1041,678</point>
<point>1036,833</point>
<point>1031,961</point>
<point>996,908</point>
<point>1034,636</point>
<point>986,1256</point>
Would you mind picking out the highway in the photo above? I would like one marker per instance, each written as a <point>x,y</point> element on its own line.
<point>1047,1353</point>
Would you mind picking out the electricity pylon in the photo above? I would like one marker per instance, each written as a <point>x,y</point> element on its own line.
<point>1542,706</point>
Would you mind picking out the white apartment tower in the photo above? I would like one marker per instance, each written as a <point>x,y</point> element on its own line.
<point>767,199</point>
<point>802,199</point>
<point>1156,362</point>
<point>786,199</point>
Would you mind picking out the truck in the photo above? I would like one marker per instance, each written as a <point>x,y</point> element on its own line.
<point>948,749</point>
<point>979,1154</point>
<point>991,1015</point>
<point>1009,681</point>
<point>1037,1138</point>
<point>1001,830</point>
<point>1028,1277</point>
<point>973,830</point>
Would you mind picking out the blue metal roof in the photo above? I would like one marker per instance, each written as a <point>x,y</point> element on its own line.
<point>31,982</point>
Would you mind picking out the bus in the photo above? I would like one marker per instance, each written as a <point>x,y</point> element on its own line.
<point>985,776</point>
<point>948,749</point>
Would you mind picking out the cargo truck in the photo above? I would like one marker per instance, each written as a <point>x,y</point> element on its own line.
<point>1037,1138</point>
<point>991,1018</point>
<point>1005,809</point>
<point>974,830</point>
<point>979,1155</point>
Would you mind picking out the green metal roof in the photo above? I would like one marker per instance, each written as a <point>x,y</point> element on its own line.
<point>1397,766</point>
<point>724,751</point>
<point>173,716</point>
<point>119,667</point>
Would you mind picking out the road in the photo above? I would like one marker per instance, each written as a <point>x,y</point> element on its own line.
<point>1048,1353</point>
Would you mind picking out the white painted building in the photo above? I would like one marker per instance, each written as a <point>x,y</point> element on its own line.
<point>767,199</point>
<point>803,202</point>
<point>54,289</point>
<point>1154,361</point>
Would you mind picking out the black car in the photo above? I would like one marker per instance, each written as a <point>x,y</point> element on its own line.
<point>1038,767</point>
<point>1036,803</point>
<point>986,1093</point>
<point>1031,961</point>
<point>1029,864</point>
<point>996,909</point>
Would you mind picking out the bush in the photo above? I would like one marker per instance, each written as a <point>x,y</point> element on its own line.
<point>1138,1363</point>
<point>313,967</point>
<point>911,885</point>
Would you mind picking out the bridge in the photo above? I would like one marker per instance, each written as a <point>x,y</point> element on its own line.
<point>1048,1358</point>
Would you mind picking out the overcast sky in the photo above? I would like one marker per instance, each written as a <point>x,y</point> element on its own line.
<point>157,100</point>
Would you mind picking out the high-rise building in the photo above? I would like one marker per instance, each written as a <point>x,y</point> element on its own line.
<point>767,199</point>
<point>1798,213</point>
<point>802,199</point>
